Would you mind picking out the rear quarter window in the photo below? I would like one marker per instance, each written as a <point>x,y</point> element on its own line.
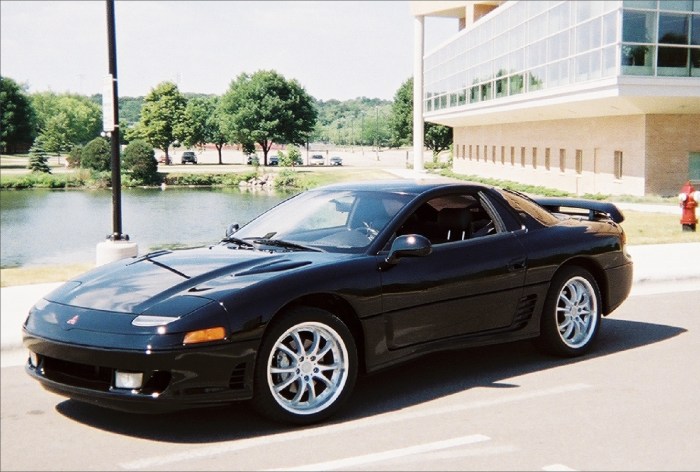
<point>530,212</point>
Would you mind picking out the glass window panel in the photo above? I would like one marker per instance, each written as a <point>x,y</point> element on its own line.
<point>645,54</point>
<point>559,17</point>
<point>695,35</point>
<point>639,27</point>
<point>536,79</point>
<point>594,59</point>
<point>648,4</point>
<point>583,37</point>
<point>610,28</point>
<point>474,94</point>
<point>486,91</point>
<point>695,62</point>
<point>634,55</point>
<point>673,29</point>
<point>672,57</point>
<point>676,5</point>
<point>596,33</point>
<point>583,11</point>
<point>553,76</point>
<point>582,67</point>
<point>609,61</point>
<point>516,84</point>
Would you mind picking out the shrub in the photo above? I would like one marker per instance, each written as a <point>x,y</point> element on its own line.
<point>96,155</point>
<point>74,156</point>
<point>140,162</point>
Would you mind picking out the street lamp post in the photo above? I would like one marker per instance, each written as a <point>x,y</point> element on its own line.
<point>114,135</point>
<point>376,132</point>
<point>117,245</point>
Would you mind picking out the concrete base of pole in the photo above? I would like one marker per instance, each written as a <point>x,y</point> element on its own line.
<point>110,251</point>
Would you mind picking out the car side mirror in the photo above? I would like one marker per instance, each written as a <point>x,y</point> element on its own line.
<point>408,245</point>
<point>232,228</point>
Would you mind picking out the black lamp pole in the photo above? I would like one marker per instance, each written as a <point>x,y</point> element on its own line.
<point>114,139</point>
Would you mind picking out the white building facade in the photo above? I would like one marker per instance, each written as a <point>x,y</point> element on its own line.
<point>591,97</point>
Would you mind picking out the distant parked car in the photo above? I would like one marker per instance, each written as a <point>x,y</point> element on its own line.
<point>164,160</point>
<point>188,156</point>
<point>252,160</point>
<point>273,161</point>
<point>336,161</point>
<point>317,160</point>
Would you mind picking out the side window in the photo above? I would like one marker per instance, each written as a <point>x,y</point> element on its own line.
<point>451,218</point>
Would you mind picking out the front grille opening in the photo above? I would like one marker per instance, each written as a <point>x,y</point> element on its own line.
<point>157,383</point>
<point>78,375</point>
<point>96,377</point>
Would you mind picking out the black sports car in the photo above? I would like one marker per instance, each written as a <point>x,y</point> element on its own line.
<point>289,308</point>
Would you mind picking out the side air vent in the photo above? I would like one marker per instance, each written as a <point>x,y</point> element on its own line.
<point>237,379</point>
<point>523,313</point>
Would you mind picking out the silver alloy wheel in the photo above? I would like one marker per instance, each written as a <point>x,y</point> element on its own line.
<point>307,368</point>
<point>577,312</point>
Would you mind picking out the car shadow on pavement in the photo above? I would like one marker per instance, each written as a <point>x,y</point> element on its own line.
<point>421,380</point>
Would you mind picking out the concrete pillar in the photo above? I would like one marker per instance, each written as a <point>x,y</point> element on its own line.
<point>110,251</point>
<point>418,126</point>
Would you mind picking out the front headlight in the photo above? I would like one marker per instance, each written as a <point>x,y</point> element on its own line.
<point>153,320</point>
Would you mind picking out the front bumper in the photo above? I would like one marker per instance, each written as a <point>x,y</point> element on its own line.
<point>189,377</point>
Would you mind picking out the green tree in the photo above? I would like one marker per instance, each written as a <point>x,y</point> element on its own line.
<point>66,120</point>
<point>202,124</point>
<point>163,109</point>
<point>96,155</point>
<point>401,122</point>
<point>17,117</point>
<point>437,137</point>
<point>38,158</point>
<point>140,162</point>
<point>265,108</point>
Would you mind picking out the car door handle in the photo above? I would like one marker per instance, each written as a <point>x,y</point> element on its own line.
<point>515,265</point>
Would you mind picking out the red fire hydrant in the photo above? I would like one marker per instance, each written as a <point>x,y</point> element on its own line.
<point>689,199</point>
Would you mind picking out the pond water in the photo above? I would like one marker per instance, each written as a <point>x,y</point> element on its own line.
<point>41,227</point>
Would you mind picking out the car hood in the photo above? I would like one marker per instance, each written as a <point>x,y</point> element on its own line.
<point>183,280</point>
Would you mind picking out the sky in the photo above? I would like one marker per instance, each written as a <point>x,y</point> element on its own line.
<point>335,49</point>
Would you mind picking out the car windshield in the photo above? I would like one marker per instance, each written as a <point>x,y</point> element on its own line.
<point>331,220</point>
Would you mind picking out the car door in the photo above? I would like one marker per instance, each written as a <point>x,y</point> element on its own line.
<point>462,288</point>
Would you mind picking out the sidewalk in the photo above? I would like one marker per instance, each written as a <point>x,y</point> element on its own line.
<point>675,265</point>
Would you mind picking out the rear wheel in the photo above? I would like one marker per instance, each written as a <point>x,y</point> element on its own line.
<point>306,368</point>
<point>571,315</point>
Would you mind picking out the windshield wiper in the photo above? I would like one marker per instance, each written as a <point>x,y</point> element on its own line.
<point>285,244</point>
<point>240,242</point>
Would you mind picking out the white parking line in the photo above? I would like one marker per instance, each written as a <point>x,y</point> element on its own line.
<point>392,454</point>
<point>373,421</point>
<point>557,468</point>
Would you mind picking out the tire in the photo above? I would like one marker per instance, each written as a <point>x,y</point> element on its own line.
<point>571,315</point>
<point>298,386</point>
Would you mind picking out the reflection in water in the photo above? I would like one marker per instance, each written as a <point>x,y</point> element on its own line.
<point>65,226</point>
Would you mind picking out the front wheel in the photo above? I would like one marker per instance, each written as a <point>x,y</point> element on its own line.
<point>306,367</point>
<point>571,314</point>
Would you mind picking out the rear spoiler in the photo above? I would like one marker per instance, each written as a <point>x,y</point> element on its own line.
<point>595,209</point>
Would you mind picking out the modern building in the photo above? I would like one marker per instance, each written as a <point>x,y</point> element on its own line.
<point>585,96</point>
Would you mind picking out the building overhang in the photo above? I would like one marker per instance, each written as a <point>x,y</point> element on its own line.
<point>618,96</point>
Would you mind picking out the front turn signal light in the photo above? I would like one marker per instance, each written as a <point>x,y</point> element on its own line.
<point>205,335</point>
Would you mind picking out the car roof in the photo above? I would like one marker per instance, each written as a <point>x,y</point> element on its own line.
<point>399,186</point>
